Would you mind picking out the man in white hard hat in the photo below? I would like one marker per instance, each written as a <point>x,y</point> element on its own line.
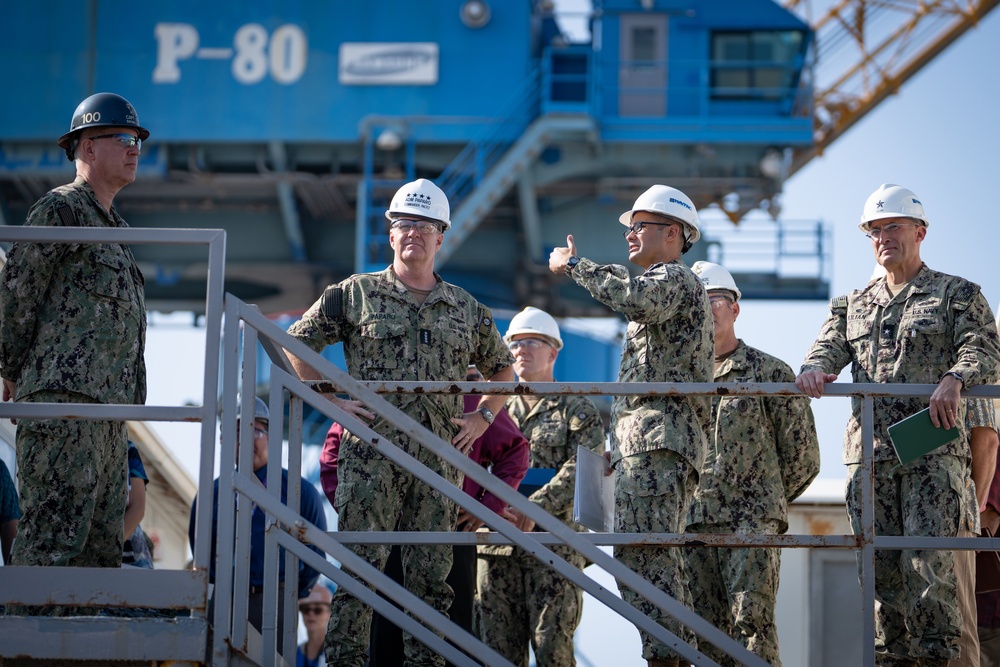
<point>981,426</point>
<point>921,326</point>
<point>523,602</point>
<point>763,454</point>
<point>403,324</point>
<point>658,443</point>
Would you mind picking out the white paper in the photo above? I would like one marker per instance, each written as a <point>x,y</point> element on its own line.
<point>594,500</point>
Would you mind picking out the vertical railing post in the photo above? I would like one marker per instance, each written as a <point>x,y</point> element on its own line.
<point>223,538</point>
<point>294,502</point>
<point>867,555</point>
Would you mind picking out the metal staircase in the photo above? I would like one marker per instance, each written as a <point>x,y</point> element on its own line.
<point>481,175</point>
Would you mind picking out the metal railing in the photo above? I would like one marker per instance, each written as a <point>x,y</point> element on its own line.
<point>187,638</point>
<point>106,638</point>
<point>293,528</point>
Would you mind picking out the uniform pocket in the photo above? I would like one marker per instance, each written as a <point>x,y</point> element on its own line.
<point>383,343</point>
<point>101,271</point>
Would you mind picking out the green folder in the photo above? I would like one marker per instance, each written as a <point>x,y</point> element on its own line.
<point>916,435</point>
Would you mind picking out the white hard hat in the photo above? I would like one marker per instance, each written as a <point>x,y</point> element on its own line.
<point>531,320</point>
<point>892,201</point>
<point>260,411</point>
<point>423,198</point>
<point>668,201</point>
<point>715,277</point>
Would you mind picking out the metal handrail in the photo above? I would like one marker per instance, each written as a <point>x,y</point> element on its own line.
<point>288,531</point>
<point>164,589</point>
<point>534,543</point>
<point>446,451</point>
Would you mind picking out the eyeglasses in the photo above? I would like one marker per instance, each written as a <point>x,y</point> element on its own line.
<point>718,301</point>
<point>637,227</point>
<point>307,609</point>
<point>526,343</point>
<point>124,139</point>
<point>259,433</point>
<point>422,226</point>
<point>892,228</point>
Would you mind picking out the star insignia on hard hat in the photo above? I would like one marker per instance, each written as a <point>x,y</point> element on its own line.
<point>879,204</point>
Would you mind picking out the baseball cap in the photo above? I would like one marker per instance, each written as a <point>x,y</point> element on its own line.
<point>319,594</point>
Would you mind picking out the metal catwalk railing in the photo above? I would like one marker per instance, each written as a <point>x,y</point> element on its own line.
<point>293,529</point>
<point>103,638</point>
<point>233,643</point>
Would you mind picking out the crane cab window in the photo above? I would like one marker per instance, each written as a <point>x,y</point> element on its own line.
<point>759,65</point>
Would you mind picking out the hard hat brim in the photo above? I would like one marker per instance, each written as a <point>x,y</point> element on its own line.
<point>445,223</point>
<point>509,336</point>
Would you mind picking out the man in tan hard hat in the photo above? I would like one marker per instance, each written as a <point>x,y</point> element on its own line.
<point>658,443</point>
<point>914,326</point>
<point>403,324</point>
<point>763,454</point>
<point>522,601</point>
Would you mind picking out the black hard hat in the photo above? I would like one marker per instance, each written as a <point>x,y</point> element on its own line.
<point>102,110</point>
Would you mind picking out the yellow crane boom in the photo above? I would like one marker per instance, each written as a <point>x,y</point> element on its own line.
<point>867,49</point>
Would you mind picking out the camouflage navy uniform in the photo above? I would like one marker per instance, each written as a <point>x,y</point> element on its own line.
<point>72,330</point>
<point>388,336</point>
<point>520,599</point>
<point>936,324</point>
<point>658,443</point>
<point>765,454</point>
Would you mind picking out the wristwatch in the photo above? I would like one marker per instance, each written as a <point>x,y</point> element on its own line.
<point>571,264</point>
<point>957,376</point>
<point>487,414</point>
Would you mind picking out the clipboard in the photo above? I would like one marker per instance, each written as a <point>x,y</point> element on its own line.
<point>916,435</point>
<point>594,499</point>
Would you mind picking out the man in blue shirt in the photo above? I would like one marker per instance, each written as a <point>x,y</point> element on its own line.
<point>310,507</point>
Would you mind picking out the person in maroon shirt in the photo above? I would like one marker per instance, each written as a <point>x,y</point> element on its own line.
<point>505,452</point>
<point>988,604</point>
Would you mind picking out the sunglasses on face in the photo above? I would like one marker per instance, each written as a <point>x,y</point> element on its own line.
<point>307,609</point>
<point>124,139</point>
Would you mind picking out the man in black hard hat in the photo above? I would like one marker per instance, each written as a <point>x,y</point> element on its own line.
<point>73,330</point>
